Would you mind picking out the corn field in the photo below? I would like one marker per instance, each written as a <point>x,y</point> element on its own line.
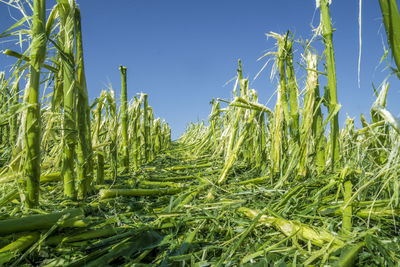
<point>101,183</point>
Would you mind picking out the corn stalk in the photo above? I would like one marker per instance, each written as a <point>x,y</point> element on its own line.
<point>32,132</point>
<point>124,119</point>
<point>84,148</point>
<point>327,34</point>
<point>67,18</point>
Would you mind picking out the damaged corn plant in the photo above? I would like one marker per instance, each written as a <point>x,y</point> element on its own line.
<point>92,183</point>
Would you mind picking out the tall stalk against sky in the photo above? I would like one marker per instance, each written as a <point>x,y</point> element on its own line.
<point>67,17</point>
<point>84,148</point>
<point>281,120</point>
<point>327,33</point>
<point>32,133</point>
<point>124,119</point>
<point>293,91</point>
<point>281,58</point>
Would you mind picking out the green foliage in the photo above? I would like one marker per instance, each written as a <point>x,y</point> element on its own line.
<point>254,185</point>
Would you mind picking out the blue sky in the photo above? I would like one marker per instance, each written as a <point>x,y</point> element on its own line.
<point>183,52</point>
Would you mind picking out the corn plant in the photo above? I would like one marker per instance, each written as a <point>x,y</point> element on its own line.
<point>96,137</point>
<point>32,132</point>
<point>84,148</point>
<point>134,111</point>
<point>67,18</point>
<point>124,119</point>
<point>333,105</point>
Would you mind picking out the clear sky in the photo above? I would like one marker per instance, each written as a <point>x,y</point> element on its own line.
<point>182,52</point>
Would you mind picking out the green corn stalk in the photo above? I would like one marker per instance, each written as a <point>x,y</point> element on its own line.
<point>111,193</point>
<point>32,132</point>
<point>244,89</point>
<point>293,91</point>
<point>317,236</point>
<point>21,243</point>
<point>306,122</point>
<point>124,119</point>
<point>391,20</point>
<point>239,77</point>
<point>311,119</point>
<point>281,58</point>
<point>287,83</point>
<point>8,252</point>
<point>327,33</point>
<point>283,118</point>
<point>67,18</point>
<point>84,148</point>
<point>347,212</point>
<point>39,221</point>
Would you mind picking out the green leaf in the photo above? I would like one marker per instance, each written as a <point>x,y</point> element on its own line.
<point>16,25</point>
